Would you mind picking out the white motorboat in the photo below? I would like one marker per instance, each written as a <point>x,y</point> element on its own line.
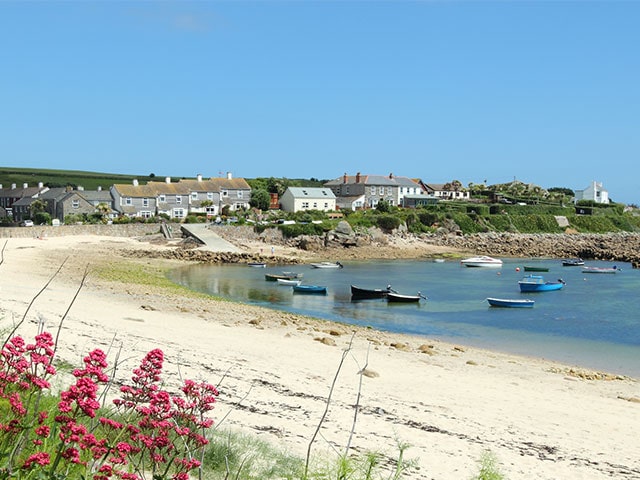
<point>482,261</point>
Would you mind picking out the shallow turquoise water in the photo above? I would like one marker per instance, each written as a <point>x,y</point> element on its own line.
<point>594,321</point>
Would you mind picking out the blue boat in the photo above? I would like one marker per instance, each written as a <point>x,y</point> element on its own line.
<point>309,289</point>
<point>536,283</point>
<point>511,303</point>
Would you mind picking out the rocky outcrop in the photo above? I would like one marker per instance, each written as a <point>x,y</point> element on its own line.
<point>622,247</point>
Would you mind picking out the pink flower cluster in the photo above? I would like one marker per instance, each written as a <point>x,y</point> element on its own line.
<point>154,432</point>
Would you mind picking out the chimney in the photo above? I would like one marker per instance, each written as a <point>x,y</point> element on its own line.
<point>167,179</point>
<point>229,176</point>
<point>391,176</point>
<point>345,178</point>
<point>358,177</point>
<point>135,182</point>
<point>199,177</point>
<point>25,185</point>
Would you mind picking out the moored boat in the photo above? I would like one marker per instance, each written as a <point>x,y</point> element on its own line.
<point>482,261</point>
<point>529,268</point>
<point>572,262</point>
<point>256,264</point>
<point>363,293</point>
<point>272,277</point>
<point>327,265</point>
<point>537,283</point>
<point>395,297</point>
<point>309,289</point>
<point>510,303</point>
<point>286,281</point>
<point>613,269</point>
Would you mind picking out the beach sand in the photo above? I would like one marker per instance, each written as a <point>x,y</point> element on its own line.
<point>450,403</point>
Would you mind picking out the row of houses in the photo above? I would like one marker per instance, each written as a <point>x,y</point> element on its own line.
<point>174,199</point>
<point>177,199</point>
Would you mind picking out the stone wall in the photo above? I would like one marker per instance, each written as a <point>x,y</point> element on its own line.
<point>116,230</point>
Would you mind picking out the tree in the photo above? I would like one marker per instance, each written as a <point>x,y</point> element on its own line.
<point>260,199</point>
<point>383,206</point>
<point>37,206</point>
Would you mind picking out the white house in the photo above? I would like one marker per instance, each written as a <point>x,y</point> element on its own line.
<point>440,191</point>
<point>296,199</point>
<point>594,192</point>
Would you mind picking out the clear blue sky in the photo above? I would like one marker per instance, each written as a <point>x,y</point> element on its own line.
<point>547,92</point>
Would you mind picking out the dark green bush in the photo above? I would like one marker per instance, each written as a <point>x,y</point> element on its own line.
<point>535,223</point>
<point>388,222</point>
<point>478,209</point>
<point>297,229</point>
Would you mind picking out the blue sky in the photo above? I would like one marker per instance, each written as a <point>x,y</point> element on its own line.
<point>547,92</point>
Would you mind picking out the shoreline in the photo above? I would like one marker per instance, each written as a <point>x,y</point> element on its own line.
<point>449,402</point>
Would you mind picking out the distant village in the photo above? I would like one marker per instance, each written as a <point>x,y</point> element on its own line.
<point>216,196</point>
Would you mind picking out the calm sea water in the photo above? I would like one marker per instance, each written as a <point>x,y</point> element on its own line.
<point>594,321</point>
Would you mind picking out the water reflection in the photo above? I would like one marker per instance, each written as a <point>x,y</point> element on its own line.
<point>598,308</point>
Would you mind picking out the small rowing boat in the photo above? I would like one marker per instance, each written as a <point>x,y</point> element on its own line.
<point>510,303</point>
<point>359,293</point>
<point>529,268</point>
<point>286,281</point>
<point>613,269</point>
<point>394,297</point>
<point>310,289</point>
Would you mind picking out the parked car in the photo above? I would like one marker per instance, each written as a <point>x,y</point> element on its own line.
<point>27,223</point>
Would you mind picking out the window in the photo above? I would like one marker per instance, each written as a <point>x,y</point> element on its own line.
<point>162,198</point>
<point>315,205</point>
<point>239,193</point>
<point>373,190</point>
<point>145,214</point>
<point>305,205</point>
<point>346,190</point>
<point>194,195</point>
<point>326,205</point>
<point>388,190</point>
<point>128,201</point>
<point>75,203</point>
<point>381,190</point>
<point>178,212</point>
<point>145,202</point>
<point>178,199</point>
<point>209,195</point>
<point>225,193</point>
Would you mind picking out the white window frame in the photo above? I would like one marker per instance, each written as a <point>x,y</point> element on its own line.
<point>179,200</point>
<point>128,201</point>
<point>145,202</point>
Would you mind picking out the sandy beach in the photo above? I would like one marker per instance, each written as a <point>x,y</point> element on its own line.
<point>542,420</point>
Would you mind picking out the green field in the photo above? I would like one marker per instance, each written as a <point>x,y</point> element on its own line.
<point>62,178</point>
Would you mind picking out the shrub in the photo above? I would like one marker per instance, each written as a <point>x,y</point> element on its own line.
<point>297,229</point>
<point>387,222</point>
